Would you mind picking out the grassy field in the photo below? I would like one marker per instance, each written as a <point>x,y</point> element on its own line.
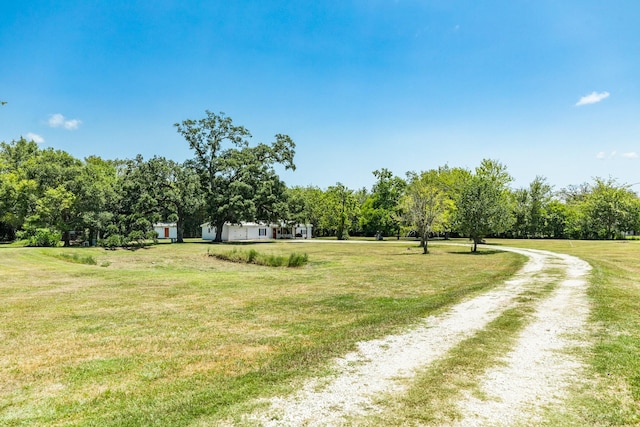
<point>612,396</point>
<point>171,336</point>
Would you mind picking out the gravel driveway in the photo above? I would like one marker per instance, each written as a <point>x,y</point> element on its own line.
<point>535,372</point>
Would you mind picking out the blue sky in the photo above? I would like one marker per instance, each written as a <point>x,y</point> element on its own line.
<point>549,88</point>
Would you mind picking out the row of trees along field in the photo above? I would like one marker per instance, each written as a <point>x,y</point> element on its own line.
<point>47,195</point>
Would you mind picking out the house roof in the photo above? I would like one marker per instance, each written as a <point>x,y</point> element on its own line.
<point>165,224</point>
<point>255,224</point>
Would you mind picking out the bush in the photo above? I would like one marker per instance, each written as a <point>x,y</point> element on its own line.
<point>42,237</point>
<point>254,257</point>
<point>297,260</point>
<point>87,259</point>
<point>112,242</point>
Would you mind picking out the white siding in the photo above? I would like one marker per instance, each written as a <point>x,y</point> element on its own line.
<point>252,231</point>
<point>166,230</point>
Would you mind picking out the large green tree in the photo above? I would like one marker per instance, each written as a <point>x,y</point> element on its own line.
<point>530,209</point>
<point>238,181</point>
<point>340,208</point>
<point>483,207</point>
<point>176,189</point>
<point>305,206</point>
<point>426,204</point>
<point>380,210</point>
<point>611,209</point>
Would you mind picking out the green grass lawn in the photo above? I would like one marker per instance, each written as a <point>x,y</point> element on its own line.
<point>170,336</point>
<point>612,395</point>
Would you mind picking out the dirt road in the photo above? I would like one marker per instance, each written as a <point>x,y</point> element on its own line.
<point>535,372</point>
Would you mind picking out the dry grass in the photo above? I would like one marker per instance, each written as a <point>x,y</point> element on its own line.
<point>169,336</point>
<point>611,393</point>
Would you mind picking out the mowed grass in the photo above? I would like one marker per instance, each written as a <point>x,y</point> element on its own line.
<point>611,394</point>
<point>170,336</point>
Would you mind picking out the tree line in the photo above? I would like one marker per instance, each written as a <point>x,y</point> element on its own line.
<point>48,196</point>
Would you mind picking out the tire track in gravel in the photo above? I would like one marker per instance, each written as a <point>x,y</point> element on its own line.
<point>384,365</point>
<point>538,370</point>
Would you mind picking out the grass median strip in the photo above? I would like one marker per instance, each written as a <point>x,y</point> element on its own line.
<point>611,393</point>
<point>433,394</point>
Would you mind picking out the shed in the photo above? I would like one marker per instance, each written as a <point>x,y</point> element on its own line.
<point>166,230</point>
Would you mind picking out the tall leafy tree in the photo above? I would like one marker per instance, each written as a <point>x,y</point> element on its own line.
<point>453,182</point>
<point>530,208</point>
<point>483,207</point>
<point>539,198</point>
<point>305,206</point>
<point>426,203</point>
<point>340,207</point>
<point>611,209</point>
<point>239,181</point>
<point>176,189</point>
<point>380,210</point>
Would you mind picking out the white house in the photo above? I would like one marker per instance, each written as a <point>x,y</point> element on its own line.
<point>298,231</point>
<point>256,231</point>
<point>166,230</point>
<point>244,231</point>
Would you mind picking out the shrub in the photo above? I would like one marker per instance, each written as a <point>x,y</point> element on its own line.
<point>254,257</point>
<point>43,237</point>
<point>87,259</point>
<point>112,242</point>
<point>297,260</point>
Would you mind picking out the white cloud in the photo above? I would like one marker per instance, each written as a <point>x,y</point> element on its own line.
<point>592,98</point>
<point>630,155</point>
<point>58,120</point>
<point>601,155</point>
<point>34,137</point>
<point>72,124</point>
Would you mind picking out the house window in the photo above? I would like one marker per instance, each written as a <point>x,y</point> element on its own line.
<point>262,232</point>
<point>303,231</point>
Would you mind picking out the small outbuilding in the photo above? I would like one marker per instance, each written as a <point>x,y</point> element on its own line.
<point>166,230</point>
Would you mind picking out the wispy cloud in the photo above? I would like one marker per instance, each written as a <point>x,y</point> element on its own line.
<point>34,137</point>
<point>592,98</point>
<point>611,155</point>
<point>58,120</point>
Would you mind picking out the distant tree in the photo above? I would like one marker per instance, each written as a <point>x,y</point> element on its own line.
<point>453,182</point>
<point>539,198</point>
<point>380,210</point>
<point>340,207</point>
<point>484,206</point>
<point>426,203</point>
<point>305,206</point>
<point>239,182</point>
<point>176,189</point>
<point>520,199</point>
<point>611,209</point>
<point>95,188</point>
<point>530,208</point>
<point>138,206</point>
<point>556,215</point>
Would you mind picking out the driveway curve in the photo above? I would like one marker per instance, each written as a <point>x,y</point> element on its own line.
<point>534,373</point>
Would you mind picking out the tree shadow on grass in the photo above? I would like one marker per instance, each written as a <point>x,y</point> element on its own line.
<point>479,252</point>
